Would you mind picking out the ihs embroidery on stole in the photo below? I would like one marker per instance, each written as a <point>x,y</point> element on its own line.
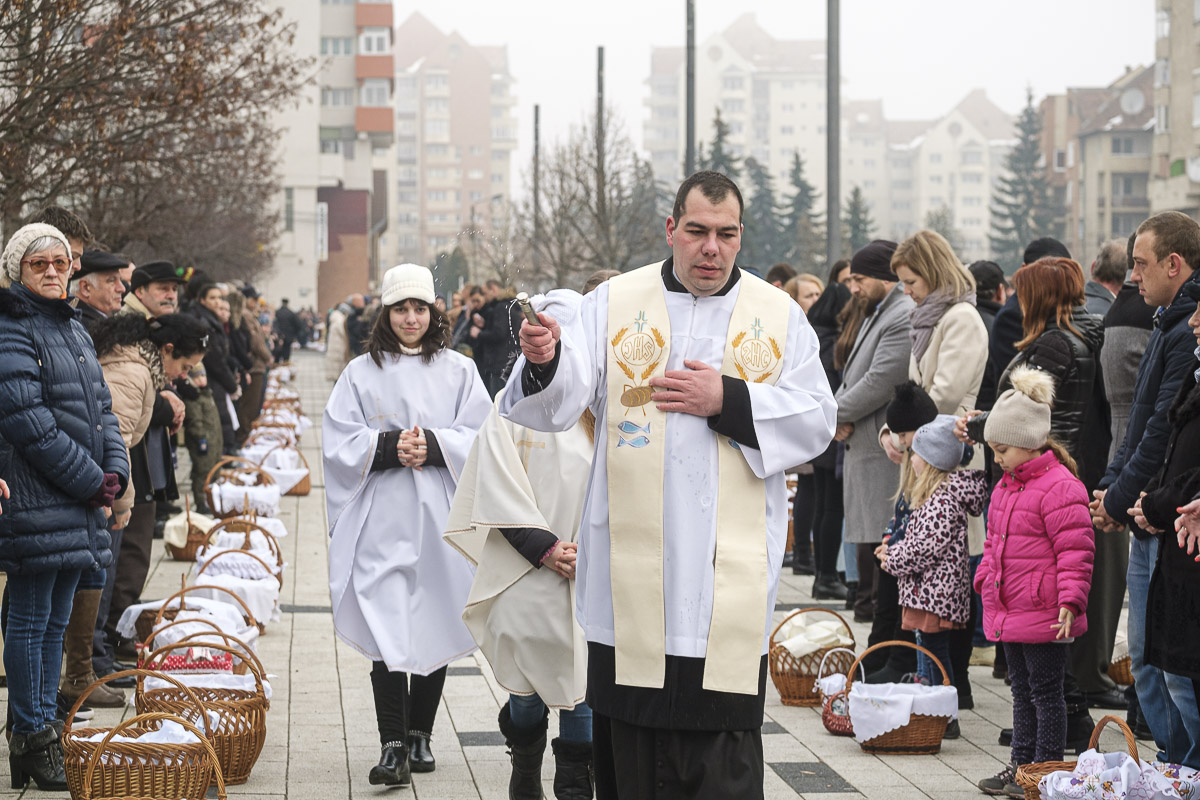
<point>638,353</point>
<point>755,358</point>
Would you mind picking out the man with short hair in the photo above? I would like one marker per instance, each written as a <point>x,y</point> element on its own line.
<point>877,363</point>
<point>780,274</point>
<point>706,385</point>
<point>98,286</point>
<point>1166,255</point>
<point>1108,275</point>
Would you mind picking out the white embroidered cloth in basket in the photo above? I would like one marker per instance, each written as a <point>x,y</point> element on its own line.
<point>800,638</point>
<point>231,497</point>
<point>170,732</point>
<point>175,530</point>
<point>260,596</point>
<point>239,563</point>
<point>225,616</point>
<point>1108,776</point>
<point>876,708</point>
<point>210,680</point>
<point>205,633</point>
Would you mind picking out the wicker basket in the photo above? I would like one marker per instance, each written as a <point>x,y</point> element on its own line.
<point>796,678</point>
<point>127,770</point>
<point>304,487</point>
<point>147,647</point>
<point>836,721</point>
<point>249,553</point>
<point>196,538</point>
<point>241,731</point>
<point>246,525</point>
<point>923,734</point>
<point>1121,671</point>
<point>1030,775</point>
<point>145,624</point>
<point>226,465</point>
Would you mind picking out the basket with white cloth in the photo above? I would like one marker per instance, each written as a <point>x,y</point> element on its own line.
<point>184,534</point>
<point>288,466</point>
<point>900,718</point>
<point>798,645</point>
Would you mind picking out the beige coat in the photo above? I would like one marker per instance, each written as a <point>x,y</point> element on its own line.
<point>950,372</point>
<point>260,353</point>
<point>127,373</point>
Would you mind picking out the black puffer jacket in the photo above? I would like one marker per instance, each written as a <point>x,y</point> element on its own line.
<point>1080,419</point>
<point>823,318</point>
<point>58,436</point>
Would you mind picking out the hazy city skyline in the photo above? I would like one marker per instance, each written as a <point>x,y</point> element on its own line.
<point>920,62</point>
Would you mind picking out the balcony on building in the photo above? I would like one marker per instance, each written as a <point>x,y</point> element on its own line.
<point>374,119</point>
<point>374,66</point>
<point>376,14</point>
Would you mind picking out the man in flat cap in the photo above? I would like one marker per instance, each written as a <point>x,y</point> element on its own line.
<point>154,289</point>
<point>98,287</point>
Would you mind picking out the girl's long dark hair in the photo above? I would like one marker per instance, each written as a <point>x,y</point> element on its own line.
<point>187,335</point>
<point>384,340</point>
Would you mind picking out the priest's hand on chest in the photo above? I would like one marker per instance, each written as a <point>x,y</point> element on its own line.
<point>695,390</point>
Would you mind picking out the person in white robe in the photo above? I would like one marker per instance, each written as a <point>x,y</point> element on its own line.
<point>397,430</point>
<point>515,517</point>
<point>706,385</point>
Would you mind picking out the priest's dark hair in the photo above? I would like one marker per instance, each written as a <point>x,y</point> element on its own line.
<point>713,185</point>
<point>384,340</point>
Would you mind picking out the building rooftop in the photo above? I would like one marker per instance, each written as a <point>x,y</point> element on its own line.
<point>1126,105</point>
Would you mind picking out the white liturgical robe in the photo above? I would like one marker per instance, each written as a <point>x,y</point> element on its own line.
<point>793,420</point>
<point>397,588</point>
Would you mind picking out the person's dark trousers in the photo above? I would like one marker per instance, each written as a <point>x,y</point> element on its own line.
<point>405,703</point>
<point>961,643</point>
<point>103,656</point>
<point>37,610</point>
<point>868,570</point>
<point>827,520</point>
<point>886,627</point>
<point>132,565</point>
<point>636,763</point>
<point>284,353</point>
<point>1091,653</point>
<point>803,512</point>
<point>938,644</point>
<point>1039,710</point>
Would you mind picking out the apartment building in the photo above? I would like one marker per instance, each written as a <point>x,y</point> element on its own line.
<point>1175,163</point>
<point>455,135</point>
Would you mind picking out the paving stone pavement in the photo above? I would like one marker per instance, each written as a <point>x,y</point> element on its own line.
<point>321,735</point>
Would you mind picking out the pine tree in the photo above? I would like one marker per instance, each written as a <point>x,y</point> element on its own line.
<point>762,241</point>
<point>803,240</point>
<point>1021,205</point>
<point>856,218</point>
<point>720,158</point>
<point>941,220</point>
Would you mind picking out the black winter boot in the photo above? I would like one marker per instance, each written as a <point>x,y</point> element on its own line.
<point>36,756</point>
<point>525,747</point>
<point>392,769</point>
<point>420,757</point>
<point>572,770</point>
<point>828,587</point>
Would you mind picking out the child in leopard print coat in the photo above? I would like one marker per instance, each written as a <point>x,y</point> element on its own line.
<point>931,562</point>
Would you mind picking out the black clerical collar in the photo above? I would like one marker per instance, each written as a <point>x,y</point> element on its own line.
<point>673,285</point>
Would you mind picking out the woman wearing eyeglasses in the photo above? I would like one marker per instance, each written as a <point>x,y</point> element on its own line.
<point>65,462</point>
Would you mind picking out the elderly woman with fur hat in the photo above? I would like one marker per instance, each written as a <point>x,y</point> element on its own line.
<point>65,462</point>
<point>397,431</point>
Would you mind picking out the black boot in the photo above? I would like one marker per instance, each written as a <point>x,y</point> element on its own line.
<point>525,748</point>
<point>392,769</point>
<point>572,770</point>
<point>851,595</point>
<point>1079,730</point>
<point>828,587</point>
<point>420,757</point>
<point>33,756</point>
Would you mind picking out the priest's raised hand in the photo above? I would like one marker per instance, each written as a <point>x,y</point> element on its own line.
<point>538,342</point>
<point>696,390</point>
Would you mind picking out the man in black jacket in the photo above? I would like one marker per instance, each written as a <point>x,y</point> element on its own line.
<point>287,326</point>
<point>98,287</point>
<point>1165,257</point>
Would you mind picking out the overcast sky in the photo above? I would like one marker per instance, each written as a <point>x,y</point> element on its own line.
<point>920,56</point>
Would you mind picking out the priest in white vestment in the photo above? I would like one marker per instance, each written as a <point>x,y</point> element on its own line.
<point>397,431</point>
<point>706,385</point>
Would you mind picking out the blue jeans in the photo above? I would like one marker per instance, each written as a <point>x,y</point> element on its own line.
<point>939,645</point>
<point>1162,715</point>
<point>574,725</point>
<point>850,555</point>
<point>39,607</point>
<point>1183,695</point>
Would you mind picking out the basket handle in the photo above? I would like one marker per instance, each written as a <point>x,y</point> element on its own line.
<point>156,631</point>
<point>255,665</point>
<point>186,589</point>
<point>1130,741</point>
<point>293,447</point>
<point>238,644</point>
<point>227,460</point>
<point>799,611</point>
<point>153,717</point>
<point>894,643</point>
<point>251,526</point>
<point>139,674</point>
<point>204,566</point>
<point>831,651</point>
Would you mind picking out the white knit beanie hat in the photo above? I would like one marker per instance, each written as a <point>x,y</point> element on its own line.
<point>407,281</point>
<point>14,251</point>
<point>1021,415</point>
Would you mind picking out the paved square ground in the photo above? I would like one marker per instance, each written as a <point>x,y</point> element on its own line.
<point>321,736</point>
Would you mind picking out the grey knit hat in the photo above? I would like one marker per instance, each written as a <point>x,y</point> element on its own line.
<point>936,443</point>
<point>1021,415</point>
<point>14,251</point>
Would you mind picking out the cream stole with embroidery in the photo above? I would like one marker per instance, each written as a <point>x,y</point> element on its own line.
<point>639,338</point>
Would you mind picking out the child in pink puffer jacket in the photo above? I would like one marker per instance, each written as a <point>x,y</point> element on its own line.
<point>1037,566</point>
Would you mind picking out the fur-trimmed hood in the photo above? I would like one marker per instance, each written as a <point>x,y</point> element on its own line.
<point>19,302</point>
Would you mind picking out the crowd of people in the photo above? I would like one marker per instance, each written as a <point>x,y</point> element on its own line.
<point>104,363</point>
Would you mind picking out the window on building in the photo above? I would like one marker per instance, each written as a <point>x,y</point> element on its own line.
<point>1122,145</point>
<point>1196,110</point>
<point>1162,26</point>
<point>474,174</point>
<point>1196,10</point>
<point>733,105</point>
<point>1070,154</point>
<point>1060,160</point>
<point>869,163</point>
<point>1069,196</point>
<point>733,83</point>
<point>498,112</point>
<point>787,108</point>
<point>972,156</point>
<point>436,82</point>
<point>903,185</point>
<point>437,149</point>
<point>868,184</point>
<point>935,179</point>
<point>331,145</point>
<point>787,130</point>
<point>475,197</point>
<point>375,41</point>
<point>498,177</point>
<point>971,177</point>
<point>737,127</point>
<point>437,127</point>
<point>375,92</point>
<point>1162,121</point>
<point>437,105</point>
<point>972,202</point>
<point>502,155</point>
<point>406,198</point>
<point>1123,185</point>
<point>935,158</point>
<point>337,45</point>
<point>337,97</point>
<point>289,209</point>
<point>971,222</point>
<point>436,195</point>
<point>1162,73</point>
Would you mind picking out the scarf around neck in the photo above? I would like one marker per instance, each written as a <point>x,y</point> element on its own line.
<point>926,316</point>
